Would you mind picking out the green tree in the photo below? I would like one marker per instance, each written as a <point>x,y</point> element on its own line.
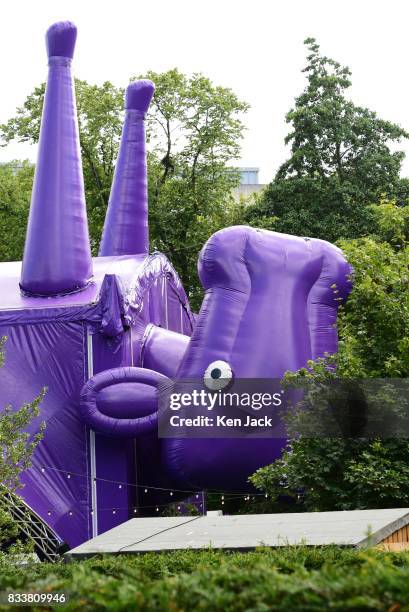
<point>194,128</point>
<point>340,159</point>
<point>16,449</point>
<point>16,179</point>
<point>100,116</point>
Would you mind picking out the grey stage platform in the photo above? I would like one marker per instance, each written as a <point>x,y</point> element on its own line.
<point>357,528</point>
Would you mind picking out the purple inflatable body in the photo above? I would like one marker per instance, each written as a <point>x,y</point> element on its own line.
<point>102,334</point>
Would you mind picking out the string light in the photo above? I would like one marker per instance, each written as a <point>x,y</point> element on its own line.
<point>232,496</point>
<point>142,507</point>
<point>145,487</point>
<point>156,507</point>
<point>135,510</point>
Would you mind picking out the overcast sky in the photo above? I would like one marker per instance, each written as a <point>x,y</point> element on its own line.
<point>253,46</point>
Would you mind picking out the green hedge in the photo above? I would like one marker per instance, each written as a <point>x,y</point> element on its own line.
<point>288,579</point>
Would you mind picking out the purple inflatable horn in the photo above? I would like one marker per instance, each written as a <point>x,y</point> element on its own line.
<point>57,254</point>
<point>126,230</point>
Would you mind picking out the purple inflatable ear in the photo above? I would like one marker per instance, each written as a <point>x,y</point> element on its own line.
<point>57,254</point>
<point>126,229</point>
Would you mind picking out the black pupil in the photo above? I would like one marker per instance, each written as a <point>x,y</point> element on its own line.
<point>215,373</point>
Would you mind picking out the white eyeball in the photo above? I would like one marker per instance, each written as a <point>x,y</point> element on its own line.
<point>218,375</point>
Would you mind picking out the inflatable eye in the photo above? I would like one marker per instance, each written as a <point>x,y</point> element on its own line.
<point>218,375</point>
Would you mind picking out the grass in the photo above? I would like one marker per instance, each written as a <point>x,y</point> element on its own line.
<point>291,579</point>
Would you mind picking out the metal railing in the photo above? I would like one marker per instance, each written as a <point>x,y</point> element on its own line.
<point>47,544</point>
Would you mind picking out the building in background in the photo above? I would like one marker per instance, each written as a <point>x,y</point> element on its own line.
<point>249,183</point>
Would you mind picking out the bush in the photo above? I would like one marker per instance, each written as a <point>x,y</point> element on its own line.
<point>296,578</point>
<point>16,449</point>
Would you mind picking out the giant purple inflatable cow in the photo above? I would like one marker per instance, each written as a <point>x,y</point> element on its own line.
<point>101,334</point>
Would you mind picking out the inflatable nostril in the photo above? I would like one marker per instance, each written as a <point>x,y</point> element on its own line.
<point>122,402</point>
<point>127,400</point>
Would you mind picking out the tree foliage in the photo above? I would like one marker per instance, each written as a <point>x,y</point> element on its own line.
<point>332,136</point>
<point>341,159</point>
<point>16,449</point>
<point>100,117</point>
<point>314,207</point>
<point>194,129</point>
<point>16,179</point>
<point>341,166</point>
<point>321,473</point>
